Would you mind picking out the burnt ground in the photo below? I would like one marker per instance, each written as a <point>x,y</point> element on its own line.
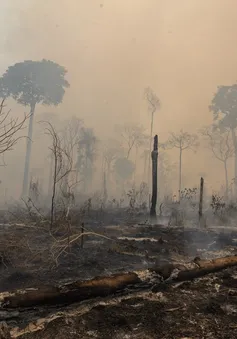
<point>204,308</point>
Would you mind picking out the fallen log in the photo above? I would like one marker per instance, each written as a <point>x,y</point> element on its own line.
<point>203,267</point>
<point>70,293</point>
<point>105,286</point>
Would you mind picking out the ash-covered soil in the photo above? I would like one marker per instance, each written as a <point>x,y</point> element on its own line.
<point>204,308</point>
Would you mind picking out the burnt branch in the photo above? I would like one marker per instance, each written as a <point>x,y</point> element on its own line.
<point>9,128</point>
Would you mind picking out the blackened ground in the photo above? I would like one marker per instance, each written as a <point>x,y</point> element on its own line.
<point>205,308</point>
<point>26,254</point>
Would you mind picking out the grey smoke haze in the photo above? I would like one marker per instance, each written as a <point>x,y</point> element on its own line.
<point>112,49</point>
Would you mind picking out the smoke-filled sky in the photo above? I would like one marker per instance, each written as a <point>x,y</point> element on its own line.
<point>112,49</point>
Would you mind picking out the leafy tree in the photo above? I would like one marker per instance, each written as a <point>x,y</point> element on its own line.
<point>182,141</point>
<point>31,83</point>
<point>224,109</point>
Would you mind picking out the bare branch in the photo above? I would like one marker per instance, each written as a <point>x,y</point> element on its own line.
<point>63,162</point>
<point>182,141</point>
<point>219,143</point>
<point>133,135</point>
<point>152,99</point>
<point>9,129</point>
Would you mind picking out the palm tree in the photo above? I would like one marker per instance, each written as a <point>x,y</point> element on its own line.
<point>31,83</point>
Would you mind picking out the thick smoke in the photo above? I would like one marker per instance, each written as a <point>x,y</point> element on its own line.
<point>113,49</point>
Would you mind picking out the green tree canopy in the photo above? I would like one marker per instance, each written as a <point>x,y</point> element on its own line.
<point>224,106</point>
<point>34,82</point>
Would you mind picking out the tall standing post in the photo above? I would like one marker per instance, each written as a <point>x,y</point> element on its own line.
<point>82,235</point>
<point>154,157</point>
<point>201,202</point>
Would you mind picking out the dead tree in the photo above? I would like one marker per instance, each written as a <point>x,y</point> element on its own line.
<point>182,141</point>
<point>154,156</point>
<point>9,129</point>
<point>153,104</point>
<point>71,136</point>
<point>201,202</point>
<point>133,135</point>
<point>221,146</point>
<point>62,165</point>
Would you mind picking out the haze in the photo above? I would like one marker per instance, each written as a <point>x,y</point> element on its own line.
<point>114,49</point>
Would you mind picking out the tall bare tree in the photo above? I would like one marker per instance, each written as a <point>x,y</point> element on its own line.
<point>182,141</point>
<point>62,165</point>
<point>221,145</point>
<point>153,105</point>
<point>133,135</point>
<point>71,136</point>
<point>69,133</point>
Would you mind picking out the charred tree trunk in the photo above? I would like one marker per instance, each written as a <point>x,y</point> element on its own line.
<point>201,202</point>
<point>149,160</point>
<point>235,148</point>
<point>71,293</point>
<point>154,157</point>
<point>180,172</point>
<point>202,268</point>
<point>82,235</point>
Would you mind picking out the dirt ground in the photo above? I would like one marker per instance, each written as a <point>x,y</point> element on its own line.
<point>204,308</point>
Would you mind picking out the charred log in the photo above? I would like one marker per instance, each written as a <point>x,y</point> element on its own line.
<point>116,283</point>
<point>70,293</point>
<point>203,267</point>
